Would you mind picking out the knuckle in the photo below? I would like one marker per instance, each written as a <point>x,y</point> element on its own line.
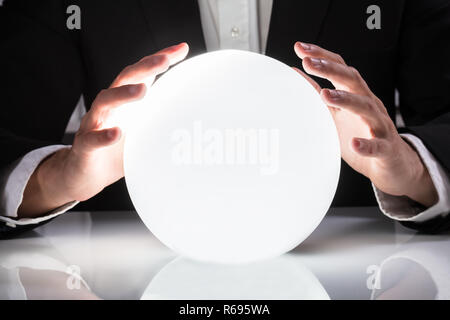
<point>339,58</point>
<point>372,148</point>
<point>165,61</point>
<point>381,106</point>
<point>370,106</point>
<point>314,47</point>
<point>390,127</point>
<point>355,76</point>
<point>355,73</point>
<point>99,100</point>
<point>377,147</point>
<point>103,92</point>
<point>383,147</point>
<point>121,78</point>
<point>344,95</point>
<point>164,58</point>
<point>158,59</point>
<point>125,71</point>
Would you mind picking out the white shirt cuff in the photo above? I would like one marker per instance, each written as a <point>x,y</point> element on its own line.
<point>14,180</point>
<point>402,208</point>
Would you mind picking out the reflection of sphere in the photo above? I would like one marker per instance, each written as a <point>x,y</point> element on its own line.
<point>280,278</point>
<point>232,157</point>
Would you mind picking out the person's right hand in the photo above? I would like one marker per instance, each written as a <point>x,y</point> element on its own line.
<point>95,159</point>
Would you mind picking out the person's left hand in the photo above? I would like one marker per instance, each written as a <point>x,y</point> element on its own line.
<point>369,140</point>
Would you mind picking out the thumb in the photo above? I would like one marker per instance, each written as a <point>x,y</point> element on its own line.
<point>95,139</point>
<point>374,148</point>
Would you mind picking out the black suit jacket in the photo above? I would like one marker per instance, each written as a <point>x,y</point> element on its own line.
<point>45,67</point>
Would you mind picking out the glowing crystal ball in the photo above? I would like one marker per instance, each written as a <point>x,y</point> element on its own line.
<point>231,157</point>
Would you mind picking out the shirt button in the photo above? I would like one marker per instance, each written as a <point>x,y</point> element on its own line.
<point>234,32</point>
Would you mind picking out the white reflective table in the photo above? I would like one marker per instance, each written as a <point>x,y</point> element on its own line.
<point>355,253</point>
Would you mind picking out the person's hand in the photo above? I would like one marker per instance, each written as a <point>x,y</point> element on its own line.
<point>369,140</point>
<point>95,159</point>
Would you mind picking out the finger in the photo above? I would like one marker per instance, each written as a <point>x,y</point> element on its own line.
<point>316,86</point>
<point>175,53</point>
<point>109,99</point>
<point>309,79</point>
<point>95,139</point>
<point>304,50</point>
<point>341,76</point>
<point>117,96</point>
<point>144,70</point>
<point>149,67</point>
<point>373,148</point>
<point>363,106</point>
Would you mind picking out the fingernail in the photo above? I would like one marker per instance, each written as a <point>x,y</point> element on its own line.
<point>359,144</point>
<point>305,46</point>
<point>133,89</point>
<point>110,134</point>
<point>317,63</point>
<point>335,94</point>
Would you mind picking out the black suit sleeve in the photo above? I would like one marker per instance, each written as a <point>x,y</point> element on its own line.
<point>423,81</point>
<point>7,232</point>
<point>41,77</point>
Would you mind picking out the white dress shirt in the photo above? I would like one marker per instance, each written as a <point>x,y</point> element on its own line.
<point>237,24</point>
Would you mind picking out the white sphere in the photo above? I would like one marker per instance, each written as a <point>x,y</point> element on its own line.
<point>231,157</point>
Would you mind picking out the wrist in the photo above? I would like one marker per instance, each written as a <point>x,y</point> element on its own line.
<point>50,179</point>
<point>420,186</point>
<point>44,192</point>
